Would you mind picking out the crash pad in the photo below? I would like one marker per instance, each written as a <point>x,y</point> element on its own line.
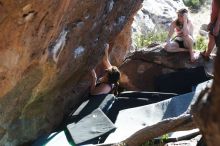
<point>103,101</point>
<point>92,126</point>
<point>131,120</point>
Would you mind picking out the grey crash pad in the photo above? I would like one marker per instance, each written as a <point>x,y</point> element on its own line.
<point>131,120</point>
<point>140,117</point>
<point>103,101</point>
<point>90,127</point>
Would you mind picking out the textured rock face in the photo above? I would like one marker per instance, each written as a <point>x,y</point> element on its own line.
<point>138,75</point>
<point>121,45</point>
<point>142,67</point>
<point>154,14</point>
<point>46,49</point>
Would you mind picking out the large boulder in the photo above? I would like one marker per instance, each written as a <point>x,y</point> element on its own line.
<point>47,48</point>
<point>122,45</point>
<point>154,17</point>
<point>141,68</point>
<point>155,14</point>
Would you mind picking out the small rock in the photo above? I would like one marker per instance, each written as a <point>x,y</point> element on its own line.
<point>203,33</point>
<point>27,8</point>
<point>192,142</point>
<point>29,17</point>
<point>204,27</point>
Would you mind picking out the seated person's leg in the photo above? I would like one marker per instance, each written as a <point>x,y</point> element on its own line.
<point>211,45</point>
<point>173,46</point>
<point>188,43</point>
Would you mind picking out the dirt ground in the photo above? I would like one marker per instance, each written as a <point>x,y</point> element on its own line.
<point>201,17</point>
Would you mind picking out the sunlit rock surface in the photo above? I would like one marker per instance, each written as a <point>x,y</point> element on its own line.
<point>121,45</point>
<point>155,14</point>
<point>47,48</point>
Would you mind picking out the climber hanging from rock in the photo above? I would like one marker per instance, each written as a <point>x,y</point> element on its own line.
<point>108,83</point>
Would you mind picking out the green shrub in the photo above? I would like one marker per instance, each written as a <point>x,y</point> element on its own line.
<point>195,4</point>
<point>161,142</point>
<point>201,43</point>
<point>164,138</point>
<point>151,37</point>
<point>149,143</point>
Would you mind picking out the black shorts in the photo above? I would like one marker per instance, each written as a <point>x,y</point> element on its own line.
<point>179,41</point>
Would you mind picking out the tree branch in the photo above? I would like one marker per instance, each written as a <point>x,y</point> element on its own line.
<point>183,122</point>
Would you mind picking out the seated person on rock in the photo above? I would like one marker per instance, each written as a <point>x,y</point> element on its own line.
<point>183,41</point>
<point>108,83</point>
